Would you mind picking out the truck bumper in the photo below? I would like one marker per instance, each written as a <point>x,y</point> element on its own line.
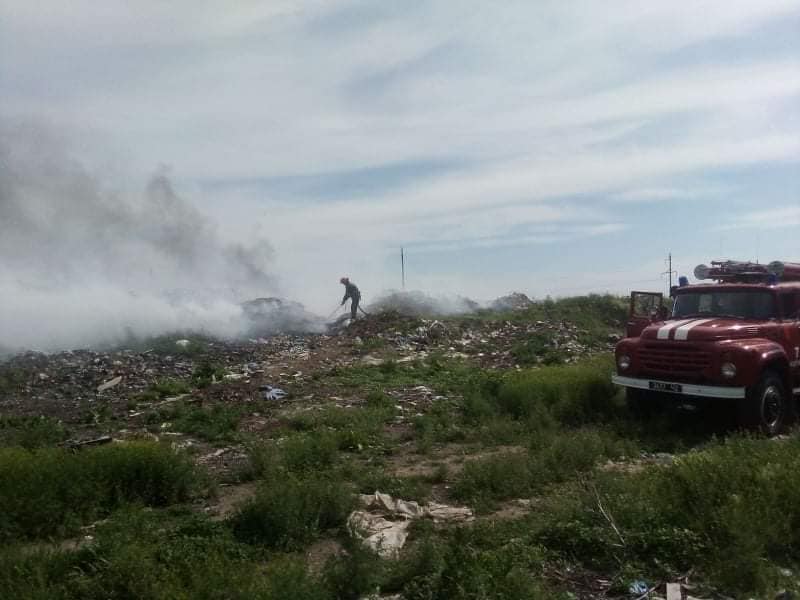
<point>684,389</point>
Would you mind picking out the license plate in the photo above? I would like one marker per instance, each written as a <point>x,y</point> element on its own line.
<point>660,386</point>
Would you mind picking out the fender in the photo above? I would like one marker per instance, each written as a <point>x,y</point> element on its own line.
<point>754,355</point>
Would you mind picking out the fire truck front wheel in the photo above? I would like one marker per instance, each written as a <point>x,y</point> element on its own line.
<point>644,403</point>
<point>767,407</point>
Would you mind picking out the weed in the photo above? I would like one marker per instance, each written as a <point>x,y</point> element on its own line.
<point>12,378</point>
<point>205,373</point>
<point>218,423</point>
<point>157,555</point>
<point>31,432</point>
<point>368,480</point>
<point>52,491</point>
<point>536,348</point>
<point>729,511</point>
<point>290,511</point>
<point>166,344</point>
<point>164,388</point>
<point>569,395</point>
<point>355,429</point>
<point>553,457</point>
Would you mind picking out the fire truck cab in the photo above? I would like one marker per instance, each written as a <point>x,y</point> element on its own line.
<point>735,338</point>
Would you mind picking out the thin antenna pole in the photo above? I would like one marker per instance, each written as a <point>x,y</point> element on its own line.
<point>669,270</point>
<point>403,266</point>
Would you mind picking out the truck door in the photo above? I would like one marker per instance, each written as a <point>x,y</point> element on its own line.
<point>645,308</point>
<point>790,313</point>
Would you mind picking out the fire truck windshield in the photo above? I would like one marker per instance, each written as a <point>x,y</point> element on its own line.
<point>741,304</point>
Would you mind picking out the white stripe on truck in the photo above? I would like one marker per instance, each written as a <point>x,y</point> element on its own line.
<point>663,332</point>
<point>682,332</point>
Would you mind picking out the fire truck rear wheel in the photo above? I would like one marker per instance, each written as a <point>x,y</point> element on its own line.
<point>767,407</point>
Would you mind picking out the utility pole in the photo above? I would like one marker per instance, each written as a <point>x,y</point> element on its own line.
<point>669,271</point>
<point>403,266</point>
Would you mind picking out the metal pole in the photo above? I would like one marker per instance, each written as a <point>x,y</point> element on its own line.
<point>670,270</point>
<point>403,266</point>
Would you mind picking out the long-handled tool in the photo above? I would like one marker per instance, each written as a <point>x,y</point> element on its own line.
<point>335,310</point>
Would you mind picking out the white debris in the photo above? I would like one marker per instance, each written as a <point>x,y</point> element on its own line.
<point>182,343</point>
<point>109,384</point>
<point>381,535</point>
<point>383,525</point>
<point>272,393</point>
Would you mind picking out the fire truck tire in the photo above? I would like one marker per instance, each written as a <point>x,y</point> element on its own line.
<point>643,403</point>
<point>767,407</point>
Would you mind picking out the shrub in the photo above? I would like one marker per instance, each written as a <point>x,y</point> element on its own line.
<point>569,395</point>
<point>553,457</point>
<point>730,511</point>
<point>288,512</point>
<point>206,372</point>
<point>484,561</point>
<point>159,556</point>
<point>52,491</point>
<point>216,423</point>
<point>31,432</point>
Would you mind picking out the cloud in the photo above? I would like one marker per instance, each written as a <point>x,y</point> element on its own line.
<point>341,130</point>
<point>767,218</point>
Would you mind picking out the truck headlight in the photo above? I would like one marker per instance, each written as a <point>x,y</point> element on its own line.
<point>728,370</point>
<point>623,362</point>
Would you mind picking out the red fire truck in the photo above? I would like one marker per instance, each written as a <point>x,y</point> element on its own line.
<point>735,338</point>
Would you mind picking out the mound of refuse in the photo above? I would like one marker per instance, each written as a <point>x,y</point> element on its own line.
<point>272,316</point>
<point>513,301</point>
<point>419,304</point>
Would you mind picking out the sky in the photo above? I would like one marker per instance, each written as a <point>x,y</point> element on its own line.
<point>550,147</point>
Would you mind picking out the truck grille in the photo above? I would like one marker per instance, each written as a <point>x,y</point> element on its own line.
<point>674,359</point>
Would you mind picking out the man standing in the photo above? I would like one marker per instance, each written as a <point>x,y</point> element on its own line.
<point>351,291</point>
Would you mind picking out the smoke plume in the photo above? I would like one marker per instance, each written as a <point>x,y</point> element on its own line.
<point>84,263</point>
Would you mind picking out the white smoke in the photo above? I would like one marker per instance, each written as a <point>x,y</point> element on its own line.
<point>417,303</point>
<point>84,264</point>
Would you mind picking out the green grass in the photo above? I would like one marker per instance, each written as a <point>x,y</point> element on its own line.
<point>206,372</point>
<point>164,388</point>
<point>552,458</point>
<point>594,315</point>
<point>289,511</point>
<point>32,432</point>
<point>165,344</point>
<point>566,395</point>
<point>729,512</point>
<point>160,556</point>
<point>357,429</point>
<point>215,424</point>
<point>442,374</point>
<point>12,378</point>
<point>50,492</point>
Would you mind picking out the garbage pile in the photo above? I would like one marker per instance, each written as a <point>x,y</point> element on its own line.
<point>513,301</point>
<point>272,316</point>
<point>493,344</point>
<point>416,304</point>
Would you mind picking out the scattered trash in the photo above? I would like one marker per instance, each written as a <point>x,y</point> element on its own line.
<point>99,441</point>
<point>381,535</point>
<point>674,591</point>
<point>383,525</point>
<point>638,588</point>
<point>182,343</point>
<point>109,384</point>
<point>272,393</point>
